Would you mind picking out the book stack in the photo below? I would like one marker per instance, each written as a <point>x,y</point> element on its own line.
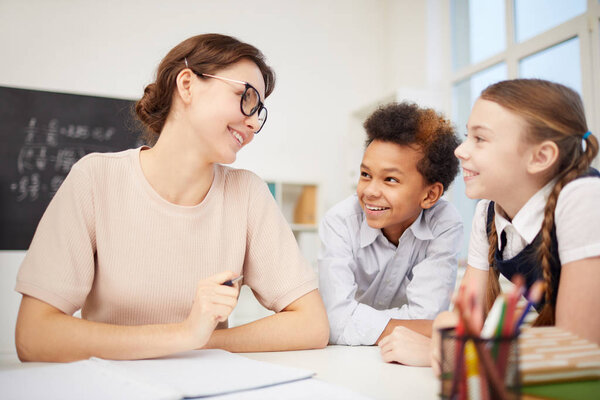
<point>557,364</point>
<point>550,354</point>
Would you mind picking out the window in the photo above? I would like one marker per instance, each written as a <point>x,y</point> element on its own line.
<point>559,63</point>
<point>533,17</point>
<point>493,40</point>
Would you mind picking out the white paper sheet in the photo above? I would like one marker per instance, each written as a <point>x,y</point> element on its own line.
<point>199,373</point>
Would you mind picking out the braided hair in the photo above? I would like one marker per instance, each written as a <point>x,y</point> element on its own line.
<point>552,112</point>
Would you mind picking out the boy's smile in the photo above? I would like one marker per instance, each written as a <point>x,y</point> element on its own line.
<point>391,189</point>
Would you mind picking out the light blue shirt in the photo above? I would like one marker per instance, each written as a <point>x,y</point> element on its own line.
<point>365,280</point>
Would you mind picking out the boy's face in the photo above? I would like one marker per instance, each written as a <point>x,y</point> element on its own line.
<point>390,189</point>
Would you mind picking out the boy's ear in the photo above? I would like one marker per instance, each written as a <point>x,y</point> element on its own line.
<point>543,157</point>
<point>433,193</point>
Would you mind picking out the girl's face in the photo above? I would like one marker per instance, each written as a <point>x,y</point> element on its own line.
<point>494,155</point>
<point>219,128</point>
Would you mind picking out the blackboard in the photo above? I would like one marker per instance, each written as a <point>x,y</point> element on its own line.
<point>42,134</point>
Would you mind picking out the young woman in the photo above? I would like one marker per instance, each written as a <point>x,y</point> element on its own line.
<point>528,153</point>
<point>142,240</point>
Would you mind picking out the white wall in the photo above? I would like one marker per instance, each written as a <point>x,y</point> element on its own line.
<point>331,57</point>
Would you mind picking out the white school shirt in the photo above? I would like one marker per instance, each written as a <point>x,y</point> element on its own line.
<point>577,220</point>
<point>365,280</point>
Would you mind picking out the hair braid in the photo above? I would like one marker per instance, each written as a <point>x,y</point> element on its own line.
<point>578,166</point>
<point>559,118</point>
<point>493,286</point>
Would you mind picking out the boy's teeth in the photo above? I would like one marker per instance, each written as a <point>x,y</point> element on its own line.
<point>376,208</point>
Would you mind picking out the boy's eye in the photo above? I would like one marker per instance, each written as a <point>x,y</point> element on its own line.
<point>390,179</point>
<point>364,174</point>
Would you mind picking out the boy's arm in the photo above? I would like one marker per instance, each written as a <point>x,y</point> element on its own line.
<point>431,288</point>
<point>351,323</point>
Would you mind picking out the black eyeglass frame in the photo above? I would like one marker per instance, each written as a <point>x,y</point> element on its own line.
<point>257,108</point>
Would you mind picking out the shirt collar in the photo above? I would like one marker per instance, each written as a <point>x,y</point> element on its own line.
<point>528,221</point>
<point>419,228</point>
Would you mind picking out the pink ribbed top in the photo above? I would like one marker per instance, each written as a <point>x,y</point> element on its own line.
<point>110,245</point>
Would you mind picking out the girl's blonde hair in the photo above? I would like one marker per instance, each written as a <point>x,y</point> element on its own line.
<point>552,112</point>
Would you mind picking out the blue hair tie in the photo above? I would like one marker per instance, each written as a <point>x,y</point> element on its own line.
<point>586,135</point>
<point>584,141</point>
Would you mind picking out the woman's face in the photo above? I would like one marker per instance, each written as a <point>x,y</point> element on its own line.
<point>218,126</point>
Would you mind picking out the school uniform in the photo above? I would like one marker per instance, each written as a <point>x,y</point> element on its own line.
<point>575,236</point>
<point>365,280</point>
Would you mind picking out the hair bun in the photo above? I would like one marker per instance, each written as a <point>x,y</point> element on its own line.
<point>145,109</point>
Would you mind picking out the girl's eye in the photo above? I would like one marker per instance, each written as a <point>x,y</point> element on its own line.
<point>478,139</point>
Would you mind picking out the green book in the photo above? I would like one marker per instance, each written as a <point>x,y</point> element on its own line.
<point>563,391</point>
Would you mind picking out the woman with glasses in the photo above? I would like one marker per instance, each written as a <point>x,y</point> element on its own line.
<point>147,241</point>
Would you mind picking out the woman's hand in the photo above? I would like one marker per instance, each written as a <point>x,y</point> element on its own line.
<point>406,347</point>
<point>213,304</point>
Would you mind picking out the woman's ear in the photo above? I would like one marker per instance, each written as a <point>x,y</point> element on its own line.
<point>543,157</point>
<point>184,85</point>
<point>432,193</point>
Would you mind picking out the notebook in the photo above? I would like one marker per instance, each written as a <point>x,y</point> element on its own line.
<point>193,374</point>
<point>550,354</point>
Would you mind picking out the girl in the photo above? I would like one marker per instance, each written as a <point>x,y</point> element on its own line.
<point>143,240</point>
<point>528,153</point>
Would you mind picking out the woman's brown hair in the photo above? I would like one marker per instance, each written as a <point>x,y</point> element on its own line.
<point>552,112</point>
<point>206,53</point>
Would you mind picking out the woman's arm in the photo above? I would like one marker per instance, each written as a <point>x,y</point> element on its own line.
<point>44,333</point>
<point>301,325</point>
<point>578,302</point>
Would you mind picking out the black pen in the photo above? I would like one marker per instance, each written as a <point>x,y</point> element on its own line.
<point>232,281</point>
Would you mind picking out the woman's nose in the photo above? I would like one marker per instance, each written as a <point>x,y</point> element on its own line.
<point>253,123</point>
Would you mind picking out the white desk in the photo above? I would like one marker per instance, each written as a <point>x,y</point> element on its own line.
<point>359,369</point>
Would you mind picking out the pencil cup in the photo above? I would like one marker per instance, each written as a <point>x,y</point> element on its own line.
<point>475,368</point>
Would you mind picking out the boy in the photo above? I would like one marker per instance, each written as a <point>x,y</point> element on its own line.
<point>390,251</point>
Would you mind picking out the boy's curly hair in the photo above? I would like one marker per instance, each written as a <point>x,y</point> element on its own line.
<point>407,124</point>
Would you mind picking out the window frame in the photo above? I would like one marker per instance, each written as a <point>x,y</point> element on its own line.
<point>585,26</point>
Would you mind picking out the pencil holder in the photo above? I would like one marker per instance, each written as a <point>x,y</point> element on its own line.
<point>475,368</point>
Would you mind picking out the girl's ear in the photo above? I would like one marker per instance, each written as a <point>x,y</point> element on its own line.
<point>433,193</point>
<point>184,85</point>
<point>543,157</point>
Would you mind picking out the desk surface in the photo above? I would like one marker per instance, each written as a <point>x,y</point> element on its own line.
<point>358,368</point>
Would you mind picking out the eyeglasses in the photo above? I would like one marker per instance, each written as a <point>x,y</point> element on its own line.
<point>250,102</point>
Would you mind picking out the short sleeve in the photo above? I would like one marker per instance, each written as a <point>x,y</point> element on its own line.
<point>274,268</point>
<point>59,266</point>
<point>478,241</point>
<point>577,220</point>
